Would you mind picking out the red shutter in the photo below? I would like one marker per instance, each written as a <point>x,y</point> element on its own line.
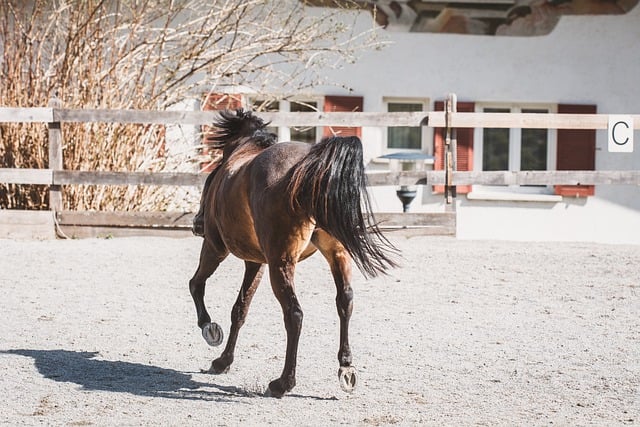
<point>215,102</point>
<point>342,104</point>
<point>464,152</point>
<point>576,150</point>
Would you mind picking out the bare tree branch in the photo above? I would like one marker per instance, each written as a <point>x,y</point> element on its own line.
<point>149,54</point>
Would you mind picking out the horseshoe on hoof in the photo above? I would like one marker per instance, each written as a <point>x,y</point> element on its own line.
<point>212,334</point>
<point>348,378</point>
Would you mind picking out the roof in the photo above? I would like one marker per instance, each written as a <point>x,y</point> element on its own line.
<point>486,17</point>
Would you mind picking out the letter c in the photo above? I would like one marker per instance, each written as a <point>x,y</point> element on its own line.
<point>613,133</point>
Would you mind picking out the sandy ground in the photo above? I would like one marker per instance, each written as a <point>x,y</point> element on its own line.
<point>102,332</point>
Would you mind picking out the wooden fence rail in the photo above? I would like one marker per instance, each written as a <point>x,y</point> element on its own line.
<point>421,118</point>
<point>440,223</point>
<point>66,177</point>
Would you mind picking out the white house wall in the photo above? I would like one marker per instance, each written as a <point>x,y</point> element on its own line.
<point>585,60</point>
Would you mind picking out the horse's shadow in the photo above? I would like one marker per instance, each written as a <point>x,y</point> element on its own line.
<point>84,369</point>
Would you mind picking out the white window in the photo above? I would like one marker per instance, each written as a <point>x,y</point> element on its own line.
<point>308,134</point>
<point>499,149</point>
<point>405,137</point>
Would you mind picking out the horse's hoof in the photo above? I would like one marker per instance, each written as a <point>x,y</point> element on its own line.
<point>218,367</point>
<point>273,393</point>
<point>212,334</point>
<point>277,389</point>
<point>214,370</point>
<point>348,378</point>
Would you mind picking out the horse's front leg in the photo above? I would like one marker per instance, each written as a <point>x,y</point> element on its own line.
<point>252,275</point>
<point>210,259</point>
<point>281,274</point>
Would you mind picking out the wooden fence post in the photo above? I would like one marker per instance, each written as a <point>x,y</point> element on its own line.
<point>55,156</point>
<point>450,151</point>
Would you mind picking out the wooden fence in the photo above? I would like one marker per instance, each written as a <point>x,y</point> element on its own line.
<point>83,224</point>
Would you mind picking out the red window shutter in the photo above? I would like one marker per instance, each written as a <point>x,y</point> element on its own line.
<point>343,104</point>
<point>464,152</point>
<point>222,101</point>
<point>576,150</point>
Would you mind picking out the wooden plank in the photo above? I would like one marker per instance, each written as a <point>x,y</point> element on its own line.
<point>85,232</point>
<point>432,118</point>
<point>136,116</point>
<point>548,178</point>
<point>419,231</point>
<point>183,219</point>
<point>630,177</point>
<point>106,224</point>
<point>398,178</point>
<point>345,119</point>
<point>84,224</point>
<point>26,115</point>
<point>26,176</point>
<point>208,117</point>
<point>55,156</point>
<point>127,219</point>
<point>524,120</point>
<point>105,232</point>
<point>412,219</point>
<point>422,223</point>
<point>67,177</point>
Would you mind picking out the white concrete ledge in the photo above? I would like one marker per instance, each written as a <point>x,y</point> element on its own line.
<point>513,196</point>
<point>19,224</point>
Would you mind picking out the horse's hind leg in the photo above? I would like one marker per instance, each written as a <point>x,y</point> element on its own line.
<point>252,275</point>
<point>340,263</point>
<point>210,259</point>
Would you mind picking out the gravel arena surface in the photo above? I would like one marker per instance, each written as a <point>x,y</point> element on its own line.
<point>103,332</point>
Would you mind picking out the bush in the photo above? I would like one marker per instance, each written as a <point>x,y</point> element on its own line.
<point>145,55</point>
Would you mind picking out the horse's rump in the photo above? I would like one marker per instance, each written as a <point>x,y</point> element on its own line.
<point>329,185</point>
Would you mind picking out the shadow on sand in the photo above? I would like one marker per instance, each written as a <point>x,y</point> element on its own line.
<point>84,369</point>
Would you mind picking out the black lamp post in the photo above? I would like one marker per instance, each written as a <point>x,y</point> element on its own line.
<point>406,161</point>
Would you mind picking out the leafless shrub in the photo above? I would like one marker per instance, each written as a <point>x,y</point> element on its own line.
<point>147,54</point>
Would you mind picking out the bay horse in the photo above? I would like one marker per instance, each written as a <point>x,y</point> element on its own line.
<point>276,204</point>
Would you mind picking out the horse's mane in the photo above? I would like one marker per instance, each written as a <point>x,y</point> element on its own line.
<point>233,125</point>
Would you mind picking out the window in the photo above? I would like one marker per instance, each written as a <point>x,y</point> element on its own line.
<point>405,137</point>
<point>266,106</point>
<point>501,149</point>
<point>304,134</point>
<point>534,145</point>
<point>301,134</point>
<point>521,149</point>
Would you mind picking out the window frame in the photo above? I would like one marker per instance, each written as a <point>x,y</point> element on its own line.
<point>424,135</point>
<point>515,147</point>
<point>284,106</point>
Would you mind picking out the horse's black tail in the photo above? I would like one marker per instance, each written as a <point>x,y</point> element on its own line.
<point>329,184</point>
